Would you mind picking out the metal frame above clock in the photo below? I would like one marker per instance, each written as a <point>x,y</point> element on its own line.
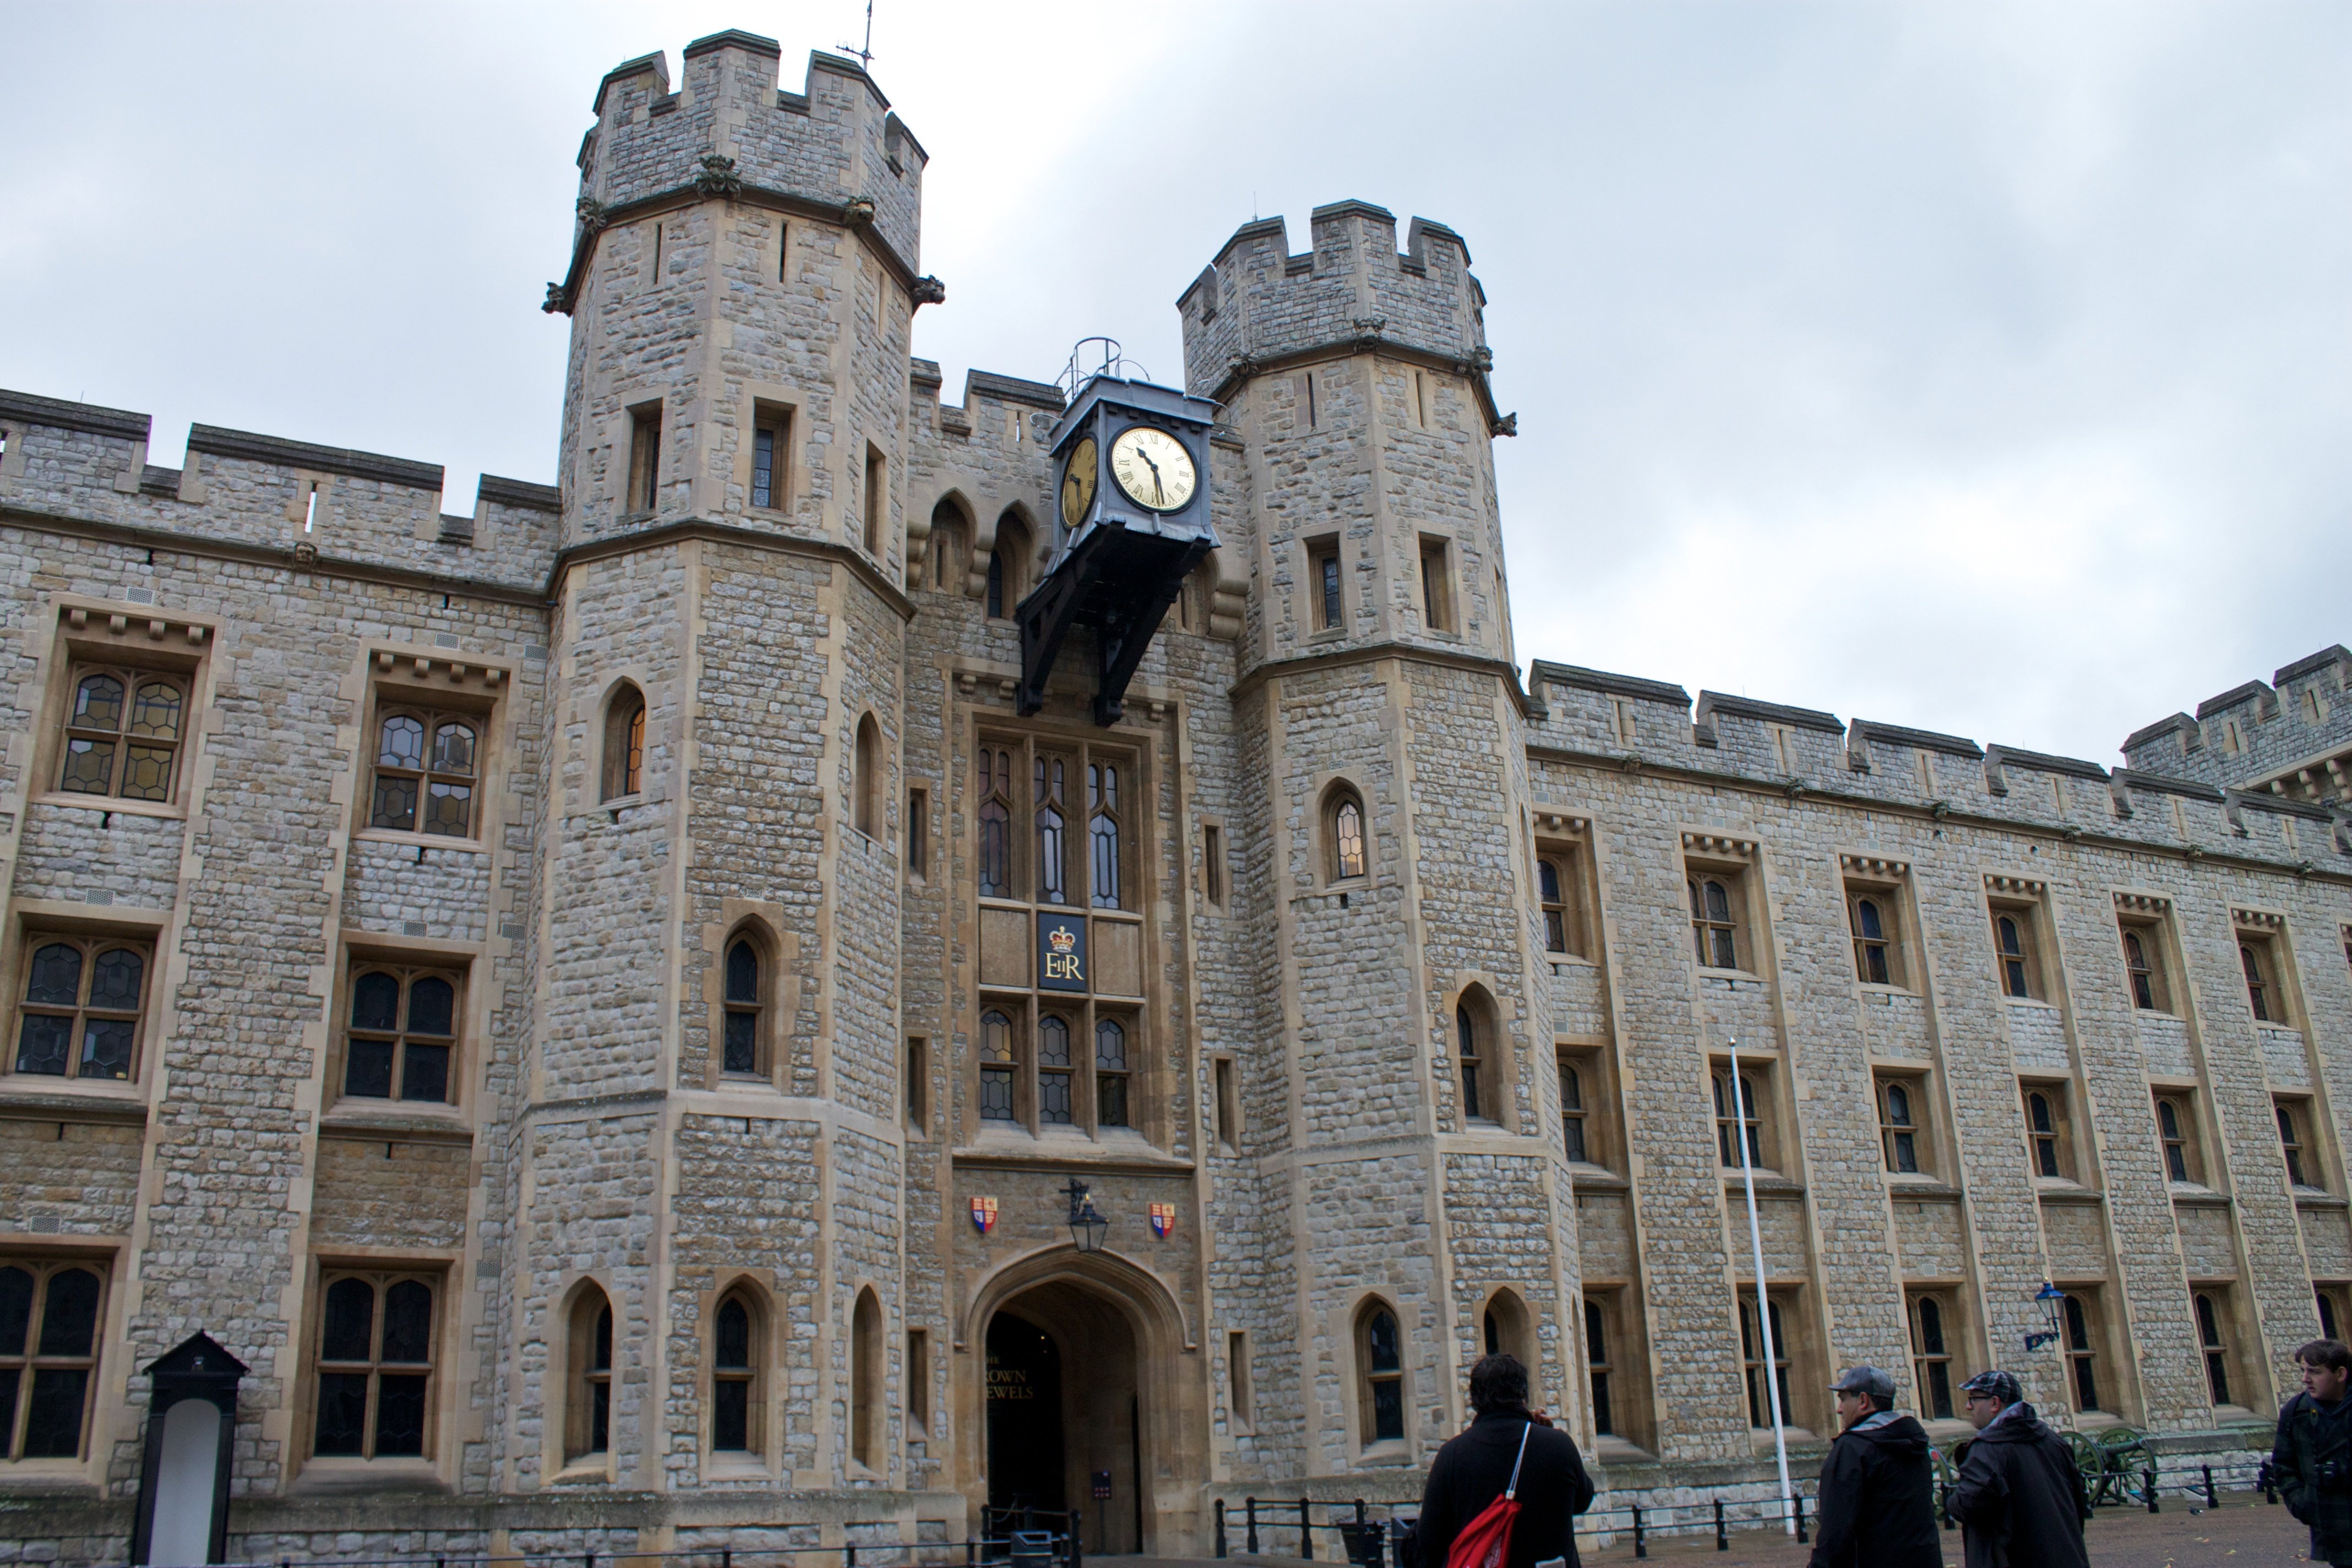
<point>1131,514</point>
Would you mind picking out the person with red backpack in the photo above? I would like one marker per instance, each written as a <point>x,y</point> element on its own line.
<point>1506,1493</point>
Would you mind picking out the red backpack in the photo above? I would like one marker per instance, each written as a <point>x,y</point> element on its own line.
<point>1485,1540</point>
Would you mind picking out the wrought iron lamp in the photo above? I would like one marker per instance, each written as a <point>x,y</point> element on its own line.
<point>1086,1225</point>
<point>2051,1297</point>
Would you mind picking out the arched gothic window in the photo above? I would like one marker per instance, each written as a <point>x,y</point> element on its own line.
<point>2257,993</point>
<point>734,1374</point>
<point>1555,908</point>
<point>588,1409</point>
<point>1897,1128</point>
<point>1467,1048</point>
<point>996,824</point>
<point>1102,834</point>
<point>746,1005</point>
<point>1734,1114</point>
<point>404,1027</point>
<point>375,1369</point>
<point>1870,942</point>
<point>625,743</point>
<point>1053,884</point>
<point>1347,830</point>
<point>866,1417</point>
<point>2010,937</point>
<point>1110,1073</point>
<point>2080,1358</point>
<point>2143,975</point>
<point>997,1067</point>
<point>48,1357</point>
<point>1054,1070</point>
<point>1379,1354</point>
<point>947,545</point>
<point>866,779</point>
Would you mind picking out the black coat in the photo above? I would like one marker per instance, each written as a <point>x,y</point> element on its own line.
<point>1878,1500</point>
<point>2020,1498</point>
<point>2308,1438</point>
<point>1472,1470</point>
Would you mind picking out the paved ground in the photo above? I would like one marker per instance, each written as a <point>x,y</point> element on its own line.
<point>2243,1532</point>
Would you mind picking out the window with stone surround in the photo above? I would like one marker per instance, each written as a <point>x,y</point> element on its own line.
<point>772,457</point>
<point>919,834</point>
<point>426,766</point>
<point>2016,947</point>
<point>1933,1331</point>
<point>1345,853</point>
<point>124,731</point>
<point>866,780</point>
<point>50,1310</point>
<point>1714,907</point>
<point>1237,1379</point>
<point>2080,1329</point>
<point>1229,1104</point>
<point>2176,1134</point>
<point>1598,1339</point>
<point>2217,1343</point>
<point>1008,565</point>
<point>1212,864</point>
<point>737,1407</point>
<point>2151,992</point>
<point>1740,1116</point>
<point>375,1365</point>
<point>1592,1127</point>
<point>400,1035</point>
<point>919,1383</point>
<point>2258,960</point>
<point>2334,1299</point>
<point>1061,829</point>
<point>868,1423</point>
<point>1509,1328</point>
<point>747,986</point>
<point>643,493</point>
<point>1380,1375</point>
<point>951,534</point>
<point>1873,918</point>
<point>2050,1128</point>
<point>917,1095</point>
<point>876,499</point>
<point>1561,884</point>
<point>2297,1148</point>
<point>625,743</point>
<point>1753,1353</point>
<point>82,1007</point>
<point>1436,584</point>
<point>1323,585</point>
<point>588,1393</point>
<point>1903,1135</point>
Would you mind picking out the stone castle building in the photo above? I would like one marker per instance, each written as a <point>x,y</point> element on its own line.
<point>598,1007</point>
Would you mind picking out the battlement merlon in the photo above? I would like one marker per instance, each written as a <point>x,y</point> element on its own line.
<point>1257,308</point>
<point>833,151</point>
<point>75,466</point>
<point>2257,729</point>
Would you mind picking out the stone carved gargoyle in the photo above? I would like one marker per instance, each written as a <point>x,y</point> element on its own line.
<point>717,176</point>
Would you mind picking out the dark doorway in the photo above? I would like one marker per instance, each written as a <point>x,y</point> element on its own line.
<point>1024,1415</point>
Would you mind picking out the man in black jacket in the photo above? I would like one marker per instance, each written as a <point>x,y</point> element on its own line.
<point>2312,1460</point>
<point>1877,1499</point>
<point>2020,1498</point>
<point>1473,1470</point>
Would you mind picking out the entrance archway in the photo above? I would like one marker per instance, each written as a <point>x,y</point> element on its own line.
<point>1080,1382</point>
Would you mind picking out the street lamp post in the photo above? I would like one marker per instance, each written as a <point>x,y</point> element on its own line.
<point>1086,1223</point>
<point>2051,1298</point>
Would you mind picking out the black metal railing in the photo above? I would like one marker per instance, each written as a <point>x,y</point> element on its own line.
<point>1266,1526</point>
<point>1043,1548</point>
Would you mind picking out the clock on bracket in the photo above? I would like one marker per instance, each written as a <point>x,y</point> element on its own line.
<point>1153,468</point>
<point>1078,485</point>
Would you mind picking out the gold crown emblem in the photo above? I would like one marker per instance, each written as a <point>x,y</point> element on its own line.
<point>1062,938</point>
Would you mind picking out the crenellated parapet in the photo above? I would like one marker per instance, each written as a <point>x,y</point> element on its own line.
<point>1257,308</point>
<point>833,150</point>
<point>2290,737</point>
<point>339,507</point>
<point>1803,752</point>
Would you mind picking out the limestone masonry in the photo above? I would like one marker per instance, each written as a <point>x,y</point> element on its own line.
<point>556,994</point>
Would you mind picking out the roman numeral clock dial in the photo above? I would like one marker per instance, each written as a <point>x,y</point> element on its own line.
<point>1153,468</point>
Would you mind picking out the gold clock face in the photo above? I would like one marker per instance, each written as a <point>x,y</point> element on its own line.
<point>1153,468</point>
<point>1079,483</point>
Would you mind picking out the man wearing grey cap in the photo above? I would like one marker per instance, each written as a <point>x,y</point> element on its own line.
<point>1877,1501</point>
<point>2020,1498</point>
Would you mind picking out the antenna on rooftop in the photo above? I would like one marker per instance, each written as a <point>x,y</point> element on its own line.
<point>866,55</point>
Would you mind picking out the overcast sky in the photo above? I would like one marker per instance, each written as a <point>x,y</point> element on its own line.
<point>1982,368</point>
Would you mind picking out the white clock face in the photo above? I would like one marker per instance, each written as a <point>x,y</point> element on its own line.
<point>1153,468</point>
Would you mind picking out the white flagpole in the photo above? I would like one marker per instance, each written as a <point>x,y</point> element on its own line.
<point>1763,1311</point>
